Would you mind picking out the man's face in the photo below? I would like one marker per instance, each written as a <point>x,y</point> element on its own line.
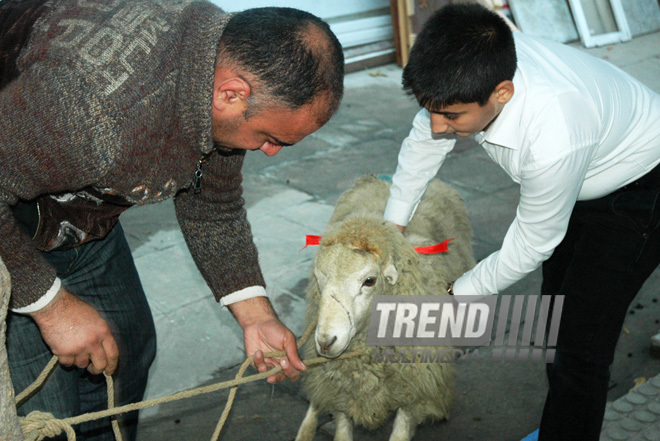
<point>467,119</point>
<point>268,130</point>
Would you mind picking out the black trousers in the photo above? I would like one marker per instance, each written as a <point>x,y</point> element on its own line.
<point>612,246</point>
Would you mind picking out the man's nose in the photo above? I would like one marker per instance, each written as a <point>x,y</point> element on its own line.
<point>270,149</point>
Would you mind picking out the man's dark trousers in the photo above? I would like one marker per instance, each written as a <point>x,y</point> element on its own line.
<point>611,247</point>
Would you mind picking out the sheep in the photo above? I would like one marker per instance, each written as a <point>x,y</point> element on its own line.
<point>360,256</point>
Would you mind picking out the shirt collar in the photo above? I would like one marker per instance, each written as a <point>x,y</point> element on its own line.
<point>505,129</point>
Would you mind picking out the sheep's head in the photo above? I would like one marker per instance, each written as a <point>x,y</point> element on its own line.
<point>351,266</point>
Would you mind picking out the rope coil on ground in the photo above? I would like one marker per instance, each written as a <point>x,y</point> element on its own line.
<point>39,425</point>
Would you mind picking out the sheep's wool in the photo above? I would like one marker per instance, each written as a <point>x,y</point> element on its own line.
<point>369,392</point>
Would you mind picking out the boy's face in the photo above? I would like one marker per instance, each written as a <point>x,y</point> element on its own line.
<point>467,119</point>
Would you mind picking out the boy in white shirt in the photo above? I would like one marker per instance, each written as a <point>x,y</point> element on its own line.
<point>582,139</point>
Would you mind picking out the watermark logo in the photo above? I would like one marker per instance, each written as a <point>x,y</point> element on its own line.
<point>463,328</point>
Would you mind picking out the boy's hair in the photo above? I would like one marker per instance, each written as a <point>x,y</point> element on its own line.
<point>462,53</point>
<point>293,55</point>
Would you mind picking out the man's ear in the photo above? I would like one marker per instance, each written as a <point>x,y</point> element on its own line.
<point>230,92</point>
<point>504,91</point>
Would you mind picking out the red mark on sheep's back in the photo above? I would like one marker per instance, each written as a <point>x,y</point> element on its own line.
<point>432,249</point>
<point>435,249</point>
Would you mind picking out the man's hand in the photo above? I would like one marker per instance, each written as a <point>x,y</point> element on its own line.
<point>77,334</point>
<point>400,228</point>
<point>263,332</point>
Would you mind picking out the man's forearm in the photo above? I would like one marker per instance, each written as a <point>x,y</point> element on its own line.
<point>31,275</point>
<point>251,311</point>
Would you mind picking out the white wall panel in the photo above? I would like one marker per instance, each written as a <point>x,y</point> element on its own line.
<point>326,9</point>
<point>363,27</point>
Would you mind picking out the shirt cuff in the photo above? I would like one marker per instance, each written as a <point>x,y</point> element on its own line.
<point>43,301</point>
<point>463,287</point>
<point>243,294</point>
<point>398,212</point>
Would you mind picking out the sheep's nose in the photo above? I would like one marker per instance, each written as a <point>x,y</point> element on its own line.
<point>325,347</point>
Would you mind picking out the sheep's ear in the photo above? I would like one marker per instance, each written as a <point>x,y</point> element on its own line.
<point>391,274</point>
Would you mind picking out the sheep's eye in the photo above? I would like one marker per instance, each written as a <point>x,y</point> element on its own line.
<point>371,281</point>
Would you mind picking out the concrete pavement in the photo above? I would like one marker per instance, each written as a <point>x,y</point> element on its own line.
<point>291,195</point>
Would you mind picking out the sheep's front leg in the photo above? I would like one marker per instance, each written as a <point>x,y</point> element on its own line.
<point>308,427</point>
<point>344,430</point>
<point>404,426</point>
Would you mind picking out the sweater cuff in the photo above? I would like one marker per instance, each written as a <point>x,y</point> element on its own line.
<point>43,300</point>
<point>243,294</point>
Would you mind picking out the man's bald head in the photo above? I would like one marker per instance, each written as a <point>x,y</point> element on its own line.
<point>289,57</point>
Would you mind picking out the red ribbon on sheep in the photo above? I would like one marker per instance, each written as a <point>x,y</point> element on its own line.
<point>431,249</point>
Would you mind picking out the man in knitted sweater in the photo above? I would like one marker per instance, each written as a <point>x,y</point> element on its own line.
<point>106,105</point>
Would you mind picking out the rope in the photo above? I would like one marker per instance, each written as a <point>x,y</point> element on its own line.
<point>39,425</point>
<point>241,371</point>
<point>36,384</point>
<point>110,384</point>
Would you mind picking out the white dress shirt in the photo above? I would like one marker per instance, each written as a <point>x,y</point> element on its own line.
<point>576,128</point>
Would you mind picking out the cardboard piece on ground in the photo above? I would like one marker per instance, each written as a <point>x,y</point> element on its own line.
<point>549,19</point>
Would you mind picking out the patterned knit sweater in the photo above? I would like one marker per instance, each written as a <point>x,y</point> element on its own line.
<point>112,108</point>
